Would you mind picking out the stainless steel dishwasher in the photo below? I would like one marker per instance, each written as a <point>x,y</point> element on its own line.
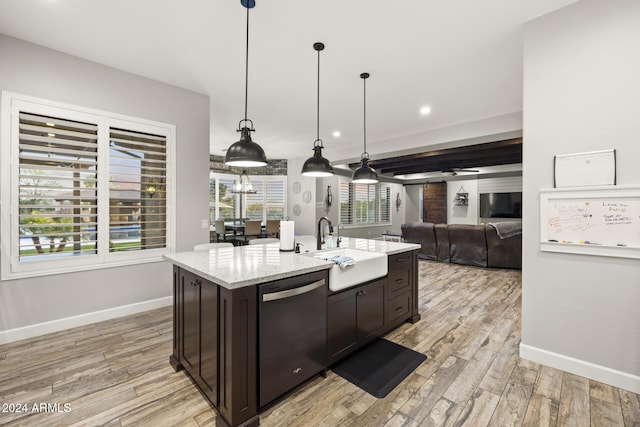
<point>292,324</point>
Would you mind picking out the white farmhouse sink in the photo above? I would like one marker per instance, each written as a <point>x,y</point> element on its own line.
<point>368,266</point>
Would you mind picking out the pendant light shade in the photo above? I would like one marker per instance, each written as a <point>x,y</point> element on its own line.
<point>365,174</point>
<point>317,165</point>
<point>245,152</point>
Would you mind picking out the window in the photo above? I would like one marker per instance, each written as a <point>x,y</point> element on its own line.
<point>268,201</point>
<point>363,204</point>
<point>87,189</point>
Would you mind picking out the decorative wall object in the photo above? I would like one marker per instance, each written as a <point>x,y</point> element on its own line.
<point>462,198</point>
<point>585,169</point>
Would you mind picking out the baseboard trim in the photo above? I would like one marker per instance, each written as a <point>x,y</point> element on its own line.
<point>57,325</point>
<point>582,368</point>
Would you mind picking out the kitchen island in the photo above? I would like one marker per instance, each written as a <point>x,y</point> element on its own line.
<point>236,310</point>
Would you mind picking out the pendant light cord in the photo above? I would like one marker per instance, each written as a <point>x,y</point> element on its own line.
<point>364,80</point>
<point>246,70</point>
<point>318,102</point>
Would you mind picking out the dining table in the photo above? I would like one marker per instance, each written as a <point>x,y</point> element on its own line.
<point>237,226</point>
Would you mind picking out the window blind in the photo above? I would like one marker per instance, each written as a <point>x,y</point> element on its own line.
<point>385,203</point>
<point>275,199</point>
<point>255,202</point>
<point>269,201</point>
<point>137,190</point>
<point>226,199</point>
<point>364,203</point>
<point>57,187</point>
<point>346,209</point>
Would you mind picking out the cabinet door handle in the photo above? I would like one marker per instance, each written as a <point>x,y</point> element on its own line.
<point>195,283</point>
<point>401,259</point>
<point>399,280</point>
<point>399,309</point>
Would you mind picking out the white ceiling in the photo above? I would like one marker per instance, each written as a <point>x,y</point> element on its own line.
<point>462,58</point>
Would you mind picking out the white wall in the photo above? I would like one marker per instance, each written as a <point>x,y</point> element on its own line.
<point>581,90</point>
<point>37,71</point>
<point>412,205</point>
<point>305,222</point>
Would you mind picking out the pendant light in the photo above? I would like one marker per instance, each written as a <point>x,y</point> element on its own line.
<point>365,174</point>
<point>245,152</point>
<point>317,165</point>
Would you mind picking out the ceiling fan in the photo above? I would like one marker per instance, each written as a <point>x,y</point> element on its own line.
<point>454,171</point>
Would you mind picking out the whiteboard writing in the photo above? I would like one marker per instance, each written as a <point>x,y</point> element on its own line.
<point>596,221</point>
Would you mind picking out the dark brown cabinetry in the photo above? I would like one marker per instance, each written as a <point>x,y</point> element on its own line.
<point>354,317</point>
<point>221,334</point>
<point>215,342</point>
<point>401,296</point>
<point>199,331</point>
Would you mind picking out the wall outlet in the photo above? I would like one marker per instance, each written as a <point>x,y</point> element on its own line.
<point>205,223</point>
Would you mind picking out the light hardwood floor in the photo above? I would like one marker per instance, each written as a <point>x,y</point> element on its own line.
<point>117,373</point>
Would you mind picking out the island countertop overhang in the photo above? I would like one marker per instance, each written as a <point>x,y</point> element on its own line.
<point>237,267</point>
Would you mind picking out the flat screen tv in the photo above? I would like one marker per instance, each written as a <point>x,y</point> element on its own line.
<point>501,205</point>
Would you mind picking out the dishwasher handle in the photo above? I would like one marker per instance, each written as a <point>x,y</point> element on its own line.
<point>273,296</point>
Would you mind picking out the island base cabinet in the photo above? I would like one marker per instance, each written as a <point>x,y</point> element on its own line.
<point>196,344</point>
<point>238,403</point>
<point>215,343</point>
<point>354,317</point>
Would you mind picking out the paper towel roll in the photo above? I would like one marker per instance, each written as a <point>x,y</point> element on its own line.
<point>287,237</point>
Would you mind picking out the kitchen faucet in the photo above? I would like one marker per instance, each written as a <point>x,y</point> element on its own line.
<point>319,239</point>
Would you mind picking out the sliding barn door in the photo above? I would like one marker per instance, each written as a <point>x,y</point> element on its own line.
<point>434,207</point>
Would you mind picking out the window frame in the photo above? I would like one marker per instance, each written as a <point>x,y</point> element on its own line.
<point>10,264</point>
<point>379,188</point>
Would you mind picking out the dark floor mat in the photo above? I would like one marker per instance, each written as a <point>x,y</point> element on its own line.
<point>379,367</point>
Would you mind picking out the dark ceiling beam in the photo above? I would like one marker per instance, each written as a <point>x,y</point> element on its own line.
<point>467,150</point>
<point>496,153</point>
<point>496,157</point>
<point>505,160</point>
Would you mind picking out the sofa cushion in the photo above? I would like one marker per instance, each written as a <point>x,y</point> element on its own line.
<point>504,252</point>
<point>468,244</point>
<point>442,242</point>
<point>422,233</point>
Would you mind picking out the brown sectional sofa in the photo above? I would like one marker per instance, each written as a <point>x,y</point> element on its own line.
<point>497,245</point>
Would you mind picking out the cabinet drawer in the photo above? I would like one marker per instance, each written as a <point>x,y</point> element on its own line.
<point>398,283</point>
<point>399,262</point>
<point>398,308</point>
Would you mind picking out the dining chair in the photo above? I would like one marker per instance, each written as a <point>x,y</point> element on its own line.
<point>273,228</point>
<point>264,241</point>
<point>207,246</point>
<point>252,230</point>
<point>221,231</point>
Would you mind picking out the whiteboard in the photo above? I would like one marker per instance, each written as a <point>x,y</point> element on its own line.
<point>598,221</point>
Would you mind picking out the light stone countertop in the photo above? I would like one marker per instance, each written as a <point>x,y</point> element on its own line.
<point>241,266</point>
<point>370,245</point>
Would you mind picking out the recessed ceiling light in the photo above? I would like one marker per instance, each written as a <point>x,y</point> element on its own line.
<point>336,133</point>
<point>425,110</point>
